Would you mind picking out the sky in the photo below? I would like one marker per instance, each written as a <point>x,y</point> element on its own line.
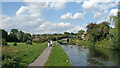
<point>55,17</point>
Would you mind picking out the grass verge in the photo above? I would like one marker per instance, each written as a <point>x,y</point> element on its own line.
<point>21,55</point>
<point>58,57</point>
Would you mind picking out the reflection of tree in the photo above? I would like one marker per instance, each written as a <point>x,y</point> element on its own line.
<point>104,55</point>
<point>97,53</point>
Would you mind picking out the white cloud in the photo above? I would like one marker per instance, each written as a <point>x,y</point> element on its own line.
<point>96,6</point>
<point>57,5</point>
<point>114,12</point>
<point>90,6</point>
<point>33,25</point>
<point>107,5</point>
<point>69,16</point>
<point>61,27</point>
<point>100,14</point>
<point>22,10</point>
<point>29,19</point>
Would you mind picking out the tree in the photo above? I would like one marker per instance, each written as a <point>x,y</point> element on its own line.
<point>97,32</point>
<point>104,29</point>
<point>27,36</point>
<point>20,35</point>
<point>66,34</point>
<point>115,31</point>
<point>14,31</point>
<point>80,32</point>
<point>12,37</point>
<point>92,32</point>
<point>4,34</point>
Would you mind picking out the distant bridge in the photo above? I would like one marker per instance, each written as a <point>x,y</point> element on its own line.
<point>64,41</point>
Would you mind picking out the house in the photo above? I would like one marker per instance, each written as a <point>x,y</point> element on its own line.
<point>84,36</point>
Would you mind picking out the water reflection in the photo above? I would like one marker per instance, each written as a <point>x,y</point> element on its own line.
<point>91,56</point>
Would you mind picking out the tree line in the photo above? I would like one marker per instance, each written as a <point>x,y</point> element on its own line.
<point>102,31</point>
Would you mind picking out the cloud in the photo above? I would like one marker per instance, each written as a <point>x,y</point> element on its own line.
<point>107,16</point>
<point>107,5</point>
<point>22,10</point>
<point>61,27</point>
<point>90,6</point>
<point>96,7</point>
<point>100,14</point>
<point>57,5</point>
<point>33,25</point>
<point>69,16</point>
<point>113,12</point>
<point>29,19</point>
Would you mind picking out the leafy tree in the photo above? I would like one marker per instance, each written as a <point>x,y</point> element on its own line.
<point>66,34</point>
<point>20,35</point>
<point>104,29</point>
<point>27,36</point>
<point>4,34</point>
<point>80,32</point>
<point>14,31</point>
<point>4,43</point>
<point>12,37</point>
<point>97,32</point>
<point>115,31</point>
<point>29,42</point>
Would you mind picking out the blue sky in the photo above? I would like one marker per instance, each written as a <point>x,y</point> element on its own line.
<point>54,17</point>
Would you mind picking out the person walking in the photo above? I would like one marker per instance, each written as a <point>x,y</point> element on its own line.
<point>51,43</point>
<point>48,43</point>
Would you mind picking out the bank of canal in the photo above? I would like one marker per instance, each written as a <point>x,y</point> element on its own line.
<point>91,56</point>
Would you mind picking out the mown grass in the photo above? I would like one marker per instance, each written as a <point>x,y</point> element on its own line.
<point>21,55</point>
<point>58,57</point>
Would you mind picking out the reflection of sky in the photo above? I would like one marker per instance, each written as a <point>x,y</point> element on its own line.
<point>74,53</point>
<point>81,56</point>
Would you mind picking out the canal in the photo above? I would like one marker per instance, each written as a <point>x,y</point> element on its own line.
<point>91,56</point>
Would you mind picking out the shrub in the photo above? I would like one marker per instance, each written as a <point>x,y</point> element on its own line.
<point>4,43</point>
<point>29,42</point>
<point>15,44</point>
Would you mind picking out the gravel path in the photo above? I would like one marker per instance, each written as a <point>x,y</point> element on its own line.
<point>42,59</point>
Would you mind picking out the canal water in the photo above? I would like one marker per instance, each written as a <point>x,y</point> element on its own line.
<point>91,56</point>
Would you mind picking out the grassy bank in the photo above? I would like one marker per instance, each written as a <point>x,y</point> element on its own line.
<point>22,54</point>
<point>80,42</point>
<point>63,41</point>
<point>104,44</point>
<point>58,57</point>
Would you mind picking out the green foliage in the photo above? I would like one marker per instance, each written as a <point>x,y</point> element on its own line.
<point>27,36</point>
<point>29,42</point>
<point>84,43</point>
<point>12,38</point>
<point>97,32</point>
<point>4,34</point>
<point>4,43</point>
<point>104,44</point>
<point>80,32</point>
<point>20,36</point>
<point>14,31</point>
<point>66,34</point>
<point>73,41</point>
<point>115,32</point>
